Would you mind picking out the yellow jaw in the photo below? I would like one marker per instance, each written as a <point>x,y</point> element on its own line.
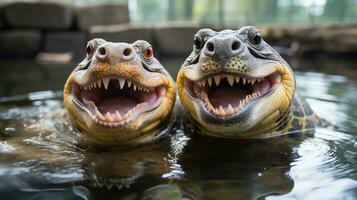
<point>142,129</point>
<point>119,98</point>
<point>257,121</point>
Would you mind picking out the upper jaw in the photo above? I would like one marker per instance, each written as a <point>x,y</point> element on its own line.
<point>114,101</point>
<point>228,95</point>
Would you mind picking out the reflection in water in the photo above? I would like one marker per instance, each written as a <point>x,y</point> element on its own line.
<point>228,169</point>
<point>40,161</point>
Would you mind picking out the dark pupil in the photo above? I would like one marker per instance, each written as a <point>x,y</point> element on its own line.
<point>148,52</point>
<point>197,43</point>
<point>257,39</point>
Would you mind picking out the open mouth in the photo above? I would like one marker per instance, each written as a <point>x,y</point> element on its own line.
<point>116,101</point>
<point>228,94</point>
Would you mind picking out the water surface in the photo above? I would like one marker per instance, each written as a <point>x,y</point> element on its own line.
<point>39,161</point>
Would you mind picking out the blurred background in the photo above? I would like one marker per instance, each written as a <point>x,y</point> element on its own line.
<point>42,41</point>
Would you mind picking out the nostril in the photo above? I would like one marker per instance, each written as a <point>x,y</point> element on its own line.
<point>102,51</point>
<point>235,45</point>
<point>127,52</point>
<point>210,47</point>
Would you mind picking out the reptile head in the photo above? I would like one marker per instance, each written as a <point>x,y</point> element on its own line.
<point>119,93</point>
<point>233,84</point>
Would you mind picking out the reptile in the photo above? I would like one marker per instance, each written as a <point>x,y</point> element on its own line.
<point>119,94</point>
<point>235,85</point>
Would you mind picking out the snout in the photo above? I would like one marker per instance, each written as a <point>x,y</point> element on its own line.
<point>222,47</point>
<point>111,53</point>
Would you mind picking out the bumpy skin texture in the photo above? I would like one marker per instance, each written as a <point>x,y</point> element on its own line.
<point>279,112</point>
<point>144,127</point>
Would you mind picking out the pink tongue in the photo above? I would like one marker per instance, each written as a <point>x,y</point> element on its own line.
<point>226,96</point>
<point>263,87</point>
<point>120,104</point>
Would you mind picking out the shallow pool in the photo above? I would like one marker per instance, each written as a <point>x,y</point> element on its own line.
<point>39,161</point>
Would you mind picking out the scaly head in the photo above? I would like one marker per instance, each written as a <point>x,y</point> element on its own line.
<point>119,93</point>
<point>234,85</point>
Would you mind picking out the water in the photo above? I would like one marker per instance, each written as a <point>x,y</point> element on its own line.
<point>39,161</point>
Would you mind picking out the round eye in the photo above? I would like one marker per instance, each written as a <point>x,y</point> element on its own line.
<point>148,53</point>
<point>89,50</point>
<point>257,38</point>
<point>198,43</point>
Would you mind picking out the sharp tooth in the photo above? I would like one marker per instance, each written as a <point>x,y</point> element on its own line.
<point>258,94</point>
<point>230,109</point>
<point>221,110</point>
<point>230,80</point>
<point>130,112</point>
<point>203,83</point>
<point>244,80</point>
<point>94,85</point>
<point>253,81</point>
<point>129,83</point>
<point>109,117</point>
<point>217,79</point>
<point>134,85</point>
<point>106,82</point>
<point>209,80</point>
<point>121,83</point>
<point>99,83</point>
<point>236,78</point>
<point>117,116</point>
<point>139,88</point>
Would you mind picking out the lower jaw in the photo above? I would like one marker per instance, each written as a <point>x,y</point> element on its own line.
<point>232,111</point>
<point>116,106</point>
<point>127,119</point>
